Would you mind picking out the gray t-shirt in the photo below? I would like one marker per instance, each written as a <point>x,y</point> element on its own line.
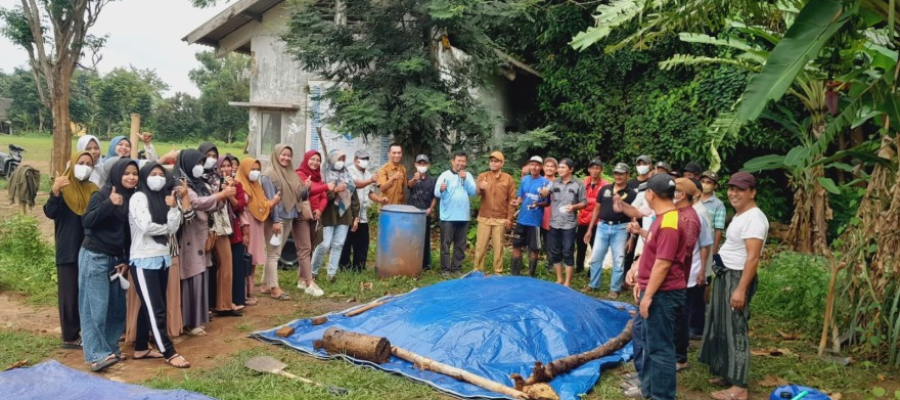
<point>564,194</point>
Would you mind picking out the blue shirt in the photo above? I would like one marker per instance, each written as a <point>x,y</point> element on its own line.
<point>455,200</point>
<point>529,192</point>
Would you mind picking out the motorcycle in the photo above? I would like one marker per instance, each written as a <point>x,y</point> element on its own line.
<point>9,162</point>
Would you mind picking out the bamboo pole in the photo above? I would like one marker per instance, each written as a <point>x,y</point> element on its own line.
<point>425,363</point>
<point>135,131</point>
<point>364,308</point>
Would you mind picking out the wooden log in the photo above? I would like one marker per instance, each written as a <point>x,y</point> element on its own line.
<point>545,373</point>
<point>364,347</point>
<point>318,320</point>
<point>285,331</point>
<point>424,363</point>
<point>364,308</point>
<point>135,131</point>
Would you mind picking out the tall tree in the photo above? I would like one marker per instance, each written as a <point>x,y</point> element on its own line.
<point>53,53</point>
<point>220,81</point>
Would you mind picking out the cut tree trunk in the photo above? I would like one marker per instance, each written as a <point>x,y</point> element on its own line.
<point>545,373</point>
<point>364,347</point>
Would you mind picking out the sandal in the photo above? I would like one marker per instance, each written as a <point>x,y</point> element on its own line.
<point>282,297</point>
<point>76,345</point>
<point>174,361</point>
<point>198,331</point>
<point>148,355</point>
<point>106,363</point>
<point>251,301</point>
<point>229,313</point>
<point>720,382</point>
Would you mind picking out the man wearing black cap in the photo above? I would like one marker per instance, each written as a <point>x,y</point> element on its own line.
<point>726,341</point>
<point>358,240</point>
<point>421,195</point>
<point>661,282</point>
<point>692,170</point>
<point>592,184</point>
<point>611,231</point>
<point>663,167</point>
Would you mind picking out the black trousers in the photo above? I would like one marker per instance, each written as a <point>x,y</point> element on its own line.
<point>453,233</point>
<point>580,247</point>
<point>239,265</point>
<point>357,243</point>
<point>695,304</point>
<point>682,337</point>
<point>426,257</point>
<point>151,287</point>
<point>67,301</point>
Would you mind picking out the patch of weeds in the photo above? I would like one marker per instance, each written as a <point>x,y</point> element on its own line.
<point>25,346</point>
<point>27,262</point>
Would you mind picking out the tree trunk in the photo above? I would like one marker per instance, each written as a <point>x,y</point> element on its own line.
<point>809,224</point>
<point>365,347</point>
<point>59,106</point>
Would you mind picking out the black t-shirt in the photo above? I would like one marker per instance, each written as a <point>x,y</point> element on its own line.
<point>605,200</point>
<point>633,184</point>
<point>421,194</point>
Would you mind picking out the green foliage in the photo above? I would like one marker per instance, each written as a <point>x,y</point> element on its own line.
<point>25,346</point>
<point>220,80</point>
<point>125,91</point>
<point>27,111</point>
<point>792,290</point>
<point>179,117</point>
<point>394,74</point>
<point>27,263</point>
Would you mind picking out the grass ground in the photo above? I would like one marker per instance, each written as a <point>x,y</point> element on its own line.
<point>788,302</point>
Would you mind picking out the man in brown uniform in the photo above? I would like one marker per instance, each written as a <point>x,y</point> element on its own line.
<point>392,178</point>
<point>497,191</point>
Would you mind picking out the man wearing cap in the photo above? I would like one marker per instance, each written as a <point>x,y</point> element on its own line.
<point>592,184</point>
<point>391,177</point>
<point>495,215</point>
<point>661,280</point>
<point>692,170</point>
<point>697,237</point>
<point>611,231</point>
<point>663,167</point>
<point>421,195</point>
<point>528,225</point>
<point>566,198</point>
<point>358,240</point>
<point>726,341</point>
<point>453,189</point>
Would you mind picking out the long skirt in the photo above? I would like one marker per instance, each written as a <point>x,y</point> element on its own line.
<point>195,300</point>
<point>726,342</point>
<point>224,276</point>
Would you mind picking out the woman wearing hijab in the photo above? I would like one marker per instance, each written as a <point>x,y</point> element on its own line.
<point>119,147</point>
<point>154,217</point>
<point>288,217</point>
<point>194,233</point>
<point>104,252</point>
<point>340,216</point>
<point>228,167</point>
<point>220,224</point>
<point>91,144</point>
<point>256,214</point>
<point>68,201</point>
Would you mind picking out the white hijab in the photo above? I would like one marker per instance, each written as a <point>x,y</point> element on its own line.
<point>97,174</point>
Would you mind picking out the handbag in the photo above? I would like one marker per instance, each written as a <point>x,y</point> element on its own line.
<point>221,224</point>
<point>306,211</point>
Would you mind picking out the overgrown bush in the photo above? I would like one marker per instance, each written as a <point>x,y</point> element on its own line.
<point>792,290</point>
<point>27,263</point>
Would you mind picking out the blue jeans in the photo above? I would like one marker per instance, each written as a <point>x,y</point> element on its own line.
<point>637,333</point>
<point>608,237</point>
<point>333,238</point>
<point>657,374</point>
<point>101,305</point>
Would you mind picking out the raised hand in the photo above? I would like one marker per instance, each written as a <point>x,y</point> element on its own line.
<point>308,182</point>
<point>397,176</point>
<point>462,174</point>
<point>115,198</point>
<point>444,186</point>
<point>229,191</point>
<point>483,185</point>
<point>229,181</point>
<point>170,201</point>
<point>277,198</point>
<point>59,182</point>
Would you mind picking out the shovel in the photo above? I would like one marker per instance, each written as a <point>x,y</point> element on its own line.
<point>270,365</point>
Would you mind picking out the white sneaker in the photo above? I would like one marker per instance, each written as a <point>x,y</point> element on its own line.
<point>301,285</point>
<point>314,290</point>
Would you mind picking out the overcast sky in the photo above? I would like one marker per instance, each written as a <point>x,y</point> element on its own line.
<point>143,33</point>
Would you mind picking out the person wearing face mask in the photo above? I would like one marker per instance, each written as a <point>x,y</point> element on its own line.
<point>256,213</point>
<point>340,217</point>
<point>454,187</point>
<point>68,201</point>
<point>104,253</point>
<point>228,167</point>
<point>642,167</point>
<point>659,284</point>
<point>715,207</point>
<point>357,241</point>
<point>154,217</point>
<point>194,258</point>
<point>421,195</point>
<point>91,144</point>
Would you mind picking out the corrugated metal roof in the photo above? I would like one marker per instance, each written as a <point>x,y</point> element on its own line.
<point>229,20</point>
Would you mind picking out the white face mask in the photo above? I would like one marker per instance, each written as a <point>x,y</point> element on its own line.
<point>83,172</point>
<point>339,165</point>
<point>364,164</point>
<point>643,169</point>
<point>156,183</point>
<point>197,171</point>
<point>421,169</point>
<point>210,163</point>
<point>254,176</point>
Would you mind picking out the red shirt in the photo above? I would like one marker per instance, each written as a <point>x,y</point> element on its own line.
<point>237,236</point>
<point>691,223</point>
<point>318,198</point>
<point>667,241</point>
<point>591,191</point>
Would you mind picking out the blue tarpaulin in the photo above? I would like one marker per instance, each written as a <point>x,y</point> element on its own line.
<point>491,326</point>
<point>52,380</point>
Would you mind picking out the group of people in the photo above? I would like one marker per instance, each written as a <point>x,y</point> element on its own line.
<point>151,247</point>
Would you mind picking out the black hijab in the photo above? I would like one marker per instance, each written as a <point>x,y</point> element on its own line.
<point>156,200</point>
<point>115,180</point>
<point>187,159</point>
<point>210,175</point>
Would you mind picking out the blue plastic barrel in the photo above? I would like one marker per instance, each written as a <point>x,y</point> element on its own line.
<point>401,241</point>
